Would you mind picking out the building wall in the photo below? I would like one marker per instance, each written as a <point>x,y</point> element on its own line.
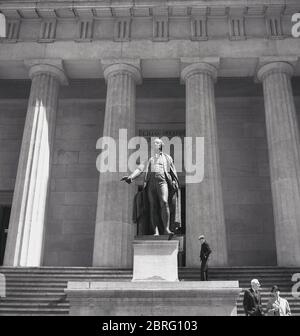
<point>12,119</point>
<point>246,181</point>
<point>70,225</point>
<point>244,167</point>
<point>70,228</point>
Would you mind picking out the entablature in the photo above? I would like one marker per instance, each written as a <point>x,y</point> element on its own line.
<point>158,21</point>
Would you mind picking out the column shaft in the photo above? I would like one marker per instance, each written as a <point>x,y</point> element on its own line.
<point>284,156</point>
<point>204,206</point>
<point>26,228</point>
<point>115,230</point>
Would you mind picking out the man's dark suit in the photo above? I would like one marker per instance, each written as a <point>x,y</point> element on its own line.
<point>252,303</point>
<point>204,254</point>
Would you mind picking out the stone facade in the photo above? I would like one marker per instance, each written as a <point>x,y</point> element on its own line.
<point>160,21</point>
<point>167,55</point>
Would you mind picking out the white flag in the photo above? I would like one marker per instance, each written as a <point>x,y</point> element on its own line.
<point>2,25</point>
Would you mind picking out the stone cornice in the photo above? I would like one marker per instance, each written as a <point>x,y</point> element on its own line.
<point>131,66</point>
<point>51,66</point>
<point>198,26</point>
<point>111,8</point>
<point>191,66</point>
<point>270,65</point>
<point>120,20</point>
<point>278,67</point>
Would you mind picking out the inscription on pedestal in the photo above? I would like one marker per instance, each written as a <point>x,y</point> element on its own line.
<point>155,260</point>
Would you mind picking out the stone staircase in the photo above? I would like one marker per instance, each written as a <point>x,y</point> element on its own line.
<point>267,276</point>
<point>40,291</point>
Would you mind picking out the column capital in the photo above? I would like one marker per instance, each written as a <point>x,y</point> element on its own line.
<point>129,65</point>
<point>53,66</point>
<point>270,65</point>
<point>191,66</point>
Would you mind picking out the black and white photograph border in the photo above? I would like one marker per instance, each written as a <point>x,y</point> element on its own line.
<point>149,159</point>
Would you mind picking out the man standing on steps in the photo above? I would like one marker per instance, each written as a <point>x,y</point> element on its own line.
<point>252,300</point>
<point>204,254</point>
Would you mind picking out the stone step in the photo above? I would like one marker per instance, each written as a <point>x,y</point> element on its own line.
<point>195,273</point>
<point>49,288</point>
<point>127,275</point>
<point>192,272</point>
<point>21,294</point>
<point>63,280</point>
<point>65,270</point>
<point>266,285</point>
<point>36,289</point>
<point>60,286</point>
<point>95,274</point>
<point>240,269</point>
<point>62,298</point>
<point>40,291</point>
<point>33,299</point>
<point>36,310</point>
<point>34,284</point>
<point>36,313</point>
<point>24,281</point>
<point>34,305</point>
<point>13,313</point>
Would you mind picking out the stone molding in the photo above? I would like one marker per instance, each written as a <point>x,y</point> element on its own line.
<point>131,66</point>
<point>237,16</point>
<point>50,66</point>
<point>191,66</point>
<point>276,67</point>
<point>94,8</point>
<point>270,65</point>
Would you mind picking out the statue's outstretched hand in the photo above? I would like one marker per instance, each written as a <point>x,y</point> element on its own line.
<point>127,179</point>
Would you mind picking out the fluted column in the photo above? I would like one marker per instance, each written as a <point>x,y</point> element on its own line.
<point>115,230</point>
<point>284,156</point>
<point>204,201</point>
<point>27,221</point>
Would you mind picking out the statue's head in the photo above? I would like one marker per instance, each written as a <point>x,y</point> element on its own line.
<point>158,143</point>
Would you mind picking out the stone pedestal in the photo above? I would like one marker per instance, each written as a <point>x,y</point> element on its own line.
<point>284,155</point>
<point>155,260</point>
<point>155,298</point>
<point>154,289</point>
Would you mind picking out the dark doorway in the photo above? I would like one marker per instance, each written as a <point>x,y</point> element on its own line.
<point>4,222</point>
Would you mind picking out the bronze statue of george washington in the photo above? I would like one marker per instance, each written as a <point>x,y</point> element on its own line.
<point>158,204</point>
